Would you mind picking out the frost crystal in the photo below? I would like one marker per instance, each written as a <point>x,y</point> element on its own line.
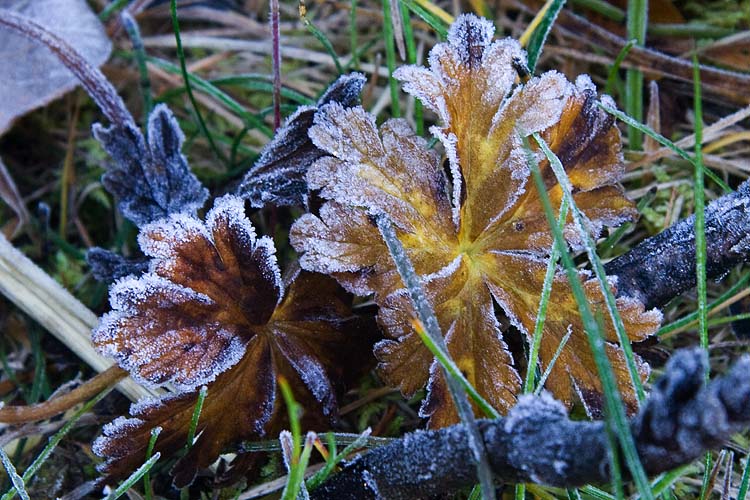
<point>487,242</point>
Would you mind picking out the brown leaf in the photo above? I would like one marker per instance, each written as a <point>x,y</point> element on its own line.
<point>485,243</point>
<point>213,312</point>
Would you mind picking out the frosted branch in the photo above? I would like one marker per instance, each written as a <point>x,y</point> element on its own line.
<point>663,266</point>
<point>681,419</point>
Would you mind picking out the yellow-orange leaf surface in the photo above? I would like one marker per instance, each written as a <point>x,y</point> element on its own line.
<point>480,237</point>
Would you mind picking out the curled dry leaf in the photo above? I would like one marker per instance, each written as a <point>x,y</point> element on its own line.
<point>213,310</point>
<point>480,238</point>
<point>33,76</point>
<point>151,179</point>
<point>278,177</point>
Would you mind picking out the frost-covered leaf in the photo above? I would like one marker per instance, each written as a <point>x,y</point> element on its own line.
<point>109,266</point>
<point>213,311</point>
<point>278,177</point>
<point>32,75</point>
<point>484,244</point>
<point>150,179</point>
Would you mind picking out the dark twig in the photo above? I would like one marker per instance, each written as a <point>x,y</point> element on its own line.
<point>663,266</point>
<point>537,442</point>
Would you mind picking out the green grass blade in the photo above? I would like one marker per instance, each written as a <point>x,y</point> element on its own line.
<point>390,58</point>
<point>528,384</point>
<point>536,42</point>
<point>699,228</point>
<point>745,481</point>
<point>617,422</point>
<point>337,458</point>
<point>110,9</point>
<point>700,208</point>
<point>260,83</point>
<point>211,90</point>
<point>321,37</point>
<point>612,75</point>
<point>553,360</point>
<point>148,491</point>
<point>663,141</point>
<point>426,316</point>
<point>637,20</point>
<point>188,88</point>
<point>15,479</point>
<point>431,19</point>
<point>692,317</point>
<point>196,417</point>
<point>454,371</point>
<point>134,477</point>
<point>601,276</point>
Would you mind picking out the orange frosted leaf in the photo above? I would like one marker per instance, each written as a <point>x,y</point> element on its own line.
<point>574,373</point>
<point>487,241</point>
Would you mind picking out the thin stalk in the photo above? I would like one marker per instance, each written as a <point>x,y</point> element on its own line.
<point>276,60</point>
<point>48,409</point>
<point>528,384</point>
<point>426,316</point>
<point>616,420</point>
<point>390,57</point>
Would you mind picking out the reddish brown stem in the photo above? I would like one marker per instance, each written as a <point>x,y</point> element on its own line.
<point>41,411</point>
<point>276,42</point>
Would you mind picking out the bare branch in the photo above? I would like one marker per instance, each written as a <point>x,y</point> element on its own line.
<point>537,442</point>
<point>663,266</point>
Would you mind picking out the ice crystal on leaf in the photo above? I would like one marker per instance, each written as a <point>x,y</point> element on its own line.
<point>481,238</point>
<point>213,310</point>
